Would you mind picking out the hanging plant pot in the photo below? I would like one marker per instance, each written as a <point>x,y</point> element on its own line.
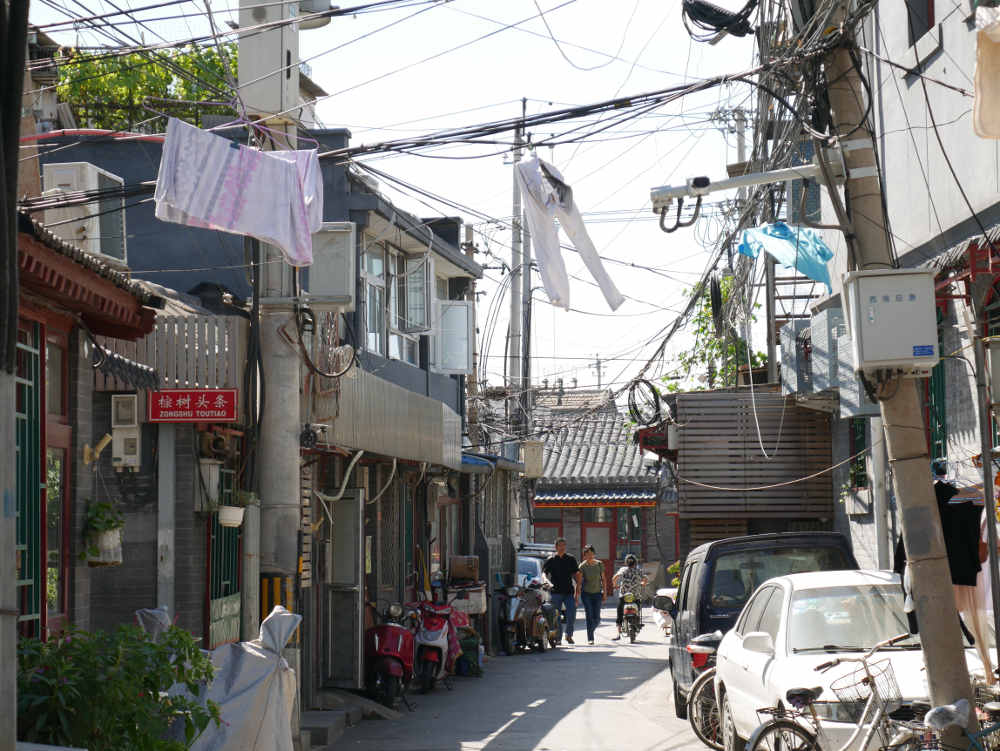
<point>105,548</point>
<point>230,516</point>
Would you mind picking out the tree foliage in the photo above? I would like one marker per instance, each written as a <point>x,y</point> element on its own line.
<point>714,360</point>
<point>117,93</point>
<point>109,691</point>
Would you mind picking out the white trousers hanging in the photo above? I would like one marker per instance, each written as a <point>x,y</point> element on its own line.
<point>545,202</point>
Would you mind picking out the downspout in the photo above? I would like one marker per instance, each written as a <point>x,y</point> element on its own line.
<point>329,499</point>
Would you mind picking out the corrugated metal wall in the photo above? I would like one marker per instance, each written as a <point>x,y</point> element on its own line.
<point>373,414</point>
<point>719,446</point>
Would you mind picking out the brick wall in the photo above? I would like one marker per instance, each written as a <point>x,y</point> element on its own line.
<point>117,592</point>
<point>81,398</point>
<point>190,541</point>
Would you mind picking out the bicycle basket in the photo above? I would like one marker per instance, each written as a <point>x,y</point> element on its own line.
<point>853,689</point>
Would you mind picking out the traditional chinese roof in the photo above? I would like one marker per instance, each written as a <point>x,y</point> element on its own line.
<point>590,448</point>
<point>625,497</point>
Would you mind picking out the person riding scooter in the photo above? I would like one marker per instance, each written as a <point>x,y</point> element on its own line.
<point>629,579</point>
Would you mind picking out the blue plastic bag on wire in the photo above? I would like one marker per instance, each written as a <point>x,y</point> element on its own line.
<point>799,248</point>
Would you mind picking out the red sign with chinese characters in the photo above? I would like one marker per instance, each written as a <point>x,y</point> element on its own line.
<point>192,405</point>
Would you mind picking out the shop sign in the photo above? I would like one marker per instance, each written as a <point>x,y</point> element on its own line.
<point>192,405</point>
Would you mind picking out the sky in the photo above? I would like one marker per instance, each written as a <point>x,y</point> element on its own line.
<point>409,80</point>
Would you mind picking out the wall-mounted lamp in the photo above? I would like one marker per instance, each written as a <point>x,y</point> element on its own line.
<point>91,455</point>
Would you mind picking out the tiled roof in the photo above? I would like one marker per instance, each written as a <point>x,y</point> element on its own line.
<point>589,448</point>
<point>956,257</point>
<point>567,399</point>
<point>623,497</point>
<point>30,226</point>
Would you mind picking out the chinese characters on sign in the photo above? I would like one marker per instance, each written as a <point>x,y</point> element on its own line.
<point>192,405</point>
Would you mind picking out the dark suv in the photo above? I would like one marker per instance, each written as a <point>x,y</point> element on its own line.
<point>719,577</point>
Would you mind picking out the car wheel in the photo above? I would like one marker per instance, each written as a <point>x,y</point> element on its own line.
<point>703,711</point>
<point>731,741</point>
<point>680,705</point>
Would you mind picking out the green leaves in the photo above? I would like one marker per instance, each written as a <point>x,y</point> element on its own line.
<point>712,359</point>
<point>110,92</point>
<point>108,691</point>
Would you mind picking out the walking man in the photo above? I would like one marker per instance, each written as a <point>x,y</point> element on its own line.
<point>563,572</point>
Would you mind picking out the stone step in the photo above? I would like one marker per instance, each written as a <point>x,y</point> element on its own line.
<point>325,726</point>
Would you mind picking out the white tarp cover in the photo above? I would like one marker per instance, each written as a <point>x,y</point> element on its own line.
<point>255,690</point>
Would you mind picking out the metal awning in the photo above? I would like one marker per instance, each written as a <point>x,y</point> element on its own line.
<point>485,463</point>
<point>598,497</point>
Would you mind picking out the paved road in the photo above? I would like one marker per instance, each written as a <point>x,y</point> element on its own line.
<point>578,698</point>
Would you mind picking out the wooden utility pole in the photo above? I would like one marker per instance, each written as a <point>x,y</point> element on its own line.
<point>902,413</point>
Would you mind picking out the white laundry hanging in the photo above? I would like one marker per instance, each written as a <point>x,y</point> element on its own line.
<point>547,197</point>
<point>986,104</point>
<point>211,182</point>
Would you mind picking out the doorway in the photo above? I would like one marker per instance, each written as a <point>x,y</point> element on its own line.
<point>597,528</point>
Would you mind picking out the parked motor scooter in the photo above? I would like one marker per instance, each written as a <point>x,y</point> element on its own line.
<point>431,643</point>
<point>662,618</point>
<point>389,658</point>
<point>529,622</point>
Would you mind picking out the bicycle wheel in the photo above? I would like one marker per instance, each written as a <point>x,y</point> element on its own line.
<point>782,735</point>
<point>703,711</point>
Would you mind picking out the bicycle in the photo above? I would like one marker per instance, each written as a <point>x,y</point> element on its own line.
<point>871,688</point>
<point>926,736</point>
<point>703,710</point>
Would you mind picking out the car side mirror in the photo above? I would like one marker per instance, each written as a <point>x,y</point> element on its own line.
<point>664,603</point>
<point>759,641</point>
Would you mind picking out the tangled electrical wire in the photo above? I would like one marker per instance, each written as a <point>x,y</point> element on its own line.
<point>714,21</point>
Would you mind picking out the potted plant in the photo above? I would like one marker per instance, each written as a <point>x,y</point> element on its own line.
<point>102,534</point>
<point>231,515</point>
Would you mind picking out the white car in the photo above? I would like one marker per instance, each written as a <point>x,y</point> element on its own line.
<point>794,623</point>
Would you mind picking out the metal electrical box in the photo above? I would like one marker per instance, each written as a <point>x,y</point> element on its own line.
<point>893,320</point>
<point>333,274</point>
<point>126,449</point>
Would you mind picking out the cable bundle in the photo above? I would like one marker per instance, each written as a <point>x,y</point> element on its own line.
<point>714,20</point>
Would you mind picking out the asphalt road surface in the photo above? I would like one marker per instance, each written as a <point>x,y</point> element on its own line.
<point>611,696</point>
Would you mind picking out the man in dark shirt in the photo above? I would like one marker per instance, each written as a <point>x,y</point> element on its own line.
<point>563,572</point>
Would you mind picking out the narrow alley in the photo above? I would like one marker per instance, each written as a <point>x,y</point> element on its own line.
<point>613,695</point>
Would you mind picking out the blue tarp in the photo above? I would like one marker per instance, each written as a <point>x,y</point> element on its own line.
<point>799,248</point>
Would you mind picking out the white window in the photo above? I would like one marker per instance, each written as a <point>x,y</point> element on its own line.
<point>455,339</point>
<point>373,273</point>
<point>402,346</point>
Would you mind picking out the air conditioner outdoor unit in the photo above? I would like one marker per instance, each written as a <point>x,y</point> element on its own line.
<point>96,227</point>
<point>333,273</point>
<point>796,372</point>
<point>827,326</point>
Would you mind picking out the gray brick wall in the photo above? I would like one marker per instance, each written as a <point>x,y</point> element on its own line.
<point>191,540</point>
<point>81,397</point>
<point>117,592</point>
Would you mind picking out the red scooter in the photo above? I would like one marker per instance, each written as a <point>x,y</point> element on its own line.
<point>389,658</point>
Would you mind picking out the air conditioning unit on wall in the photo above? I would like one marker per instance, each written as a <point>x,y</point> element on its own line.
<point>796,371</point>
<point>97,227</point>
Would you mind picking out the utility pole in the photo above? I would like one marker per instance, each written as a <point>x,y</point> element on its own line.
<point>599,367</point>
<point>525,311</point>
<point>516,314</point>
<point>867,239</point>
<point>272,542</point>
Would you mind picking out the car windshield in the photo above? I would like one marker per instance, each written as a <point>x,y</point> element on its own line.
<point>527,567</point>
<point>738,574</point>
<point>847,619</point>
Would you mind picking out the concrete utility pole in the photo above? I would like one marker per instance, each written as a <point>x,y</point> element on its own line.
<point>525,312</point>
<point>880,492</point>
<point>269,84</point>
<point>902,414</point>
<point>514,339</point>
<point>599,367</point>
